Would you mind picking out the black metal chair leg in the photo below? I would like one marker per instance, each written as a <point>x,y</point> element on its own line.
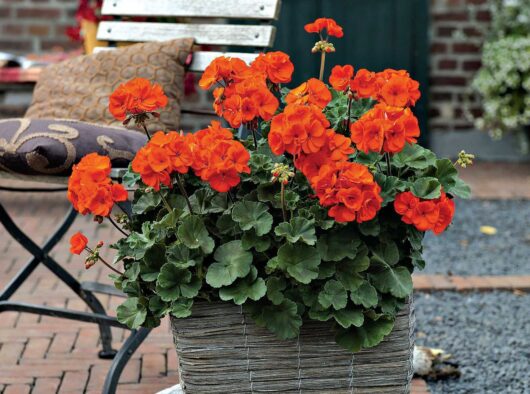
<point>122,358</point>
<point>41,255</point>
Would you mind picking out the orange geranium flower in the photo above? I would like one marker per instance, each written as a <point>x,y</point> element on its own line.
<point>277,66</point>
<point>325,24</point>
<point>135,97</point>
<point>340,77</point>
<point>78,243</point>
<point>398,89</point>
<point>313,92</point>
<point>365,84</point>
<point>299,128</point>
<point>336,148</point>
<point>90,189</point>
<point>223,69</point>
<point>163,155</point>
<point>385,128</point>
<point>425,215</point>
<point>349,190</point>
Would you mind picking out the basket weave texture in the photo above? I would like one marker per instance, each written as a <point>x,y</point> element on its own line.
<point>221,350</point>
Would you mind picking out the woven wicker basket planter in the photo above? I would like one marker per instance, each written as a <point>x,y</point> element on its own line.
<point>221,350</point>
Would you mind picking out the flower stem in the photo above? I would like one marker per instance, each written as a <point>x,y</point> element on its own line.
<point>388,167</point>
<point>166,204</point>
<point>322,65</point>
<point>146,131</point>
<point>184,193</point>
<point>103,261</point>
<point>117,227</point>
<point>282,201</point>
<point>350,100</point>
<point>255,139</point>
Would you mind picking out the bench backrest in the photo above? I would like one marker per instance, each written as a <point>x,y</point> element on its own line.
<point>213,23</point>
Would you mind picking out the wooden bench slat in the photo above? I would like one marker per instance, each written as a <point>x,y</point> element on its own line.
<point>201,59</point>
<point>208,34</point>
<point>242,9</point>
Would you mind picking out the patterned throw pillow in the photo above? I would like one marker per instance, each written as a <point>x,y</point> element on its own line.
<point>80,88</point>
<point>51,147</point>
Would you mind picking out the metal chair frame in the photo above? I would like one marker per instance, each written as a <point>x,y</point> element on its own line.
<point>84,290</point>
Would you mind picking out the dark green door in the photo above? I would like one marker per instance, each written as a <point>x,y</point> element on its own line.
<point>378,34</point>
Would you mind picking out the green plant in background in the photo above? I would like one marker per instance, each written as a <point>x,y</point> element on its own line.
<point>503,81</point>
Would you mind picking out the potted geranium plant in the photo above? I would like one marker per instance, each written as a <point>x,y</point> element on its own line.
<point>284,258</point>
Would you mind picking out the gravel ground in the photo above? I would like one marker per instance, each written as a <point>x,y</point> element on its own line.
<point>464,250</point>
<point>488,335</point>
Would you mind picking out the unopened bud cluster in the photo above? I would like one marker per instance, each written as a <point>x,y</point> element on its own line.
<point>93,257</point>
<point>281,173</point>
<point>323,46</point>
<point>465,159</point>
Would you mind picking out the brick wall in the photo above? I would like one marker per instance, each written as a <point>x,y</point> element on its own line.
<point>457,32</point>
<point>35,25</point>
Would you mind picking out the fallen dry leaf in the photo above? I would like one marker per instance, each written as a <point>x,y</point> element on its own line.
<point>488,230</point>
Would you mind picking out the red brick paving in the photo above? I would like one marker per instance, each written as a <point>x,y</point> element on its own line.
<point>44,355</point>
<point>47,355</point>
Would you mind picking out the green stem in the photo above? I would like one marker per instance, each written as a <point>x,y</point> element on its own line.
<point>282,201</point>
<point>322,65</point>
<point>388,167</point>
<point>184,193</point>
<point>349,114</point>
<point>166,204</point>
<point>117,227</point>
<point>254,138</point>
<point>146,131</point>
<point>103,261</point>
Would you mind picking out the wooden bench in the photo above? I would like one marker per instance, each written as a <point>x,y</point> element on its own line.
<point>238,28</point>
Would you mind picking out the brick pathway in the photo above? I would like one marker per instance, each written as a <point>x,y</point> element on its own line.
<point>43,355</point>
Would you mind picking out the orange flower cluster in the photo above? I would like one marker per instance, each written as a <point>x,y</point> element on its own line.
<point>90,189</point>
<point>136,97</point>
<point>244,94</point>
<point>385,128</point>
<point>349,189</point>
<point>212,153</point>
<point>321,154</point>
<point>313,92</point>
<point>425,215</point>
<point>392,87</point>
<point>78,243</point>
<point>163,155</point>
<point>327,24</point>
<point>218,158</point>
<point>299,128</point>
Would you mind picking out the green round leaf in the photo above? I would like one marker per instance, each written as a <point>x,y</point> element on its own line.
<point>427,188</point>
<point>275,288</point>
<point>394,280</point>
<point>365,295</point>
<point>349,317</point>
<point>370,334</point>
<point>194,235</point>
<point>333,294</point>
<point>283,319</point>
<point>170,281</point>
<point>248,287</point>
<point>339,244</point>
<point>232,262</point>
<point>181,308</point>
<point>250,214</point>
<point>132,313</point>
<point>300,261</point>
<point>297,229</point>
